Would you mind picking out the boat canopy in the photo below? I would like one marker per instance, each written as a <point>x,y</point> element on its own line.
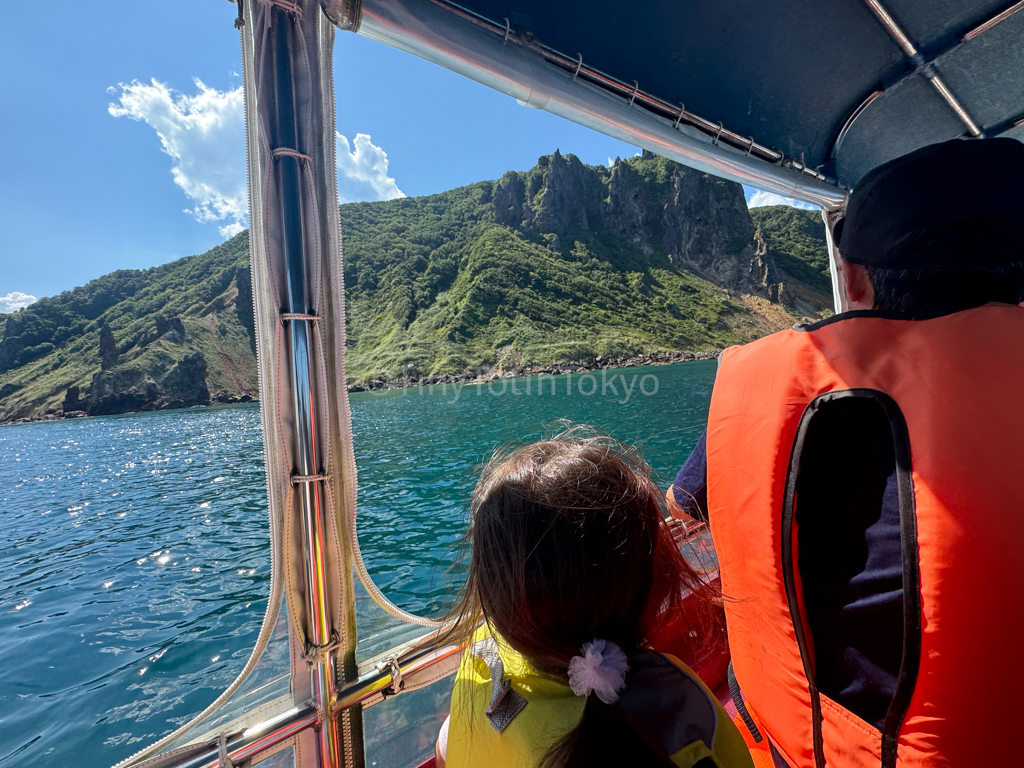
<point>796,96</point>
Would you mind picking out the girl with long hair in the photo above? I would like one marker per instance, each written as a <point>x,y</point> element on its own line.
<point>572,566</point>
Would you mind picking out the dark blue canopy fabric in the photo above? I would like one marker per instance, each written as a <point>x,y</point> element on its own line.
<point>793,74</point>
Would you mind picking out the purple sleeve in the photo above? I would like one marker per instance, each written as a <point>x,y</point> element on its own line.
<point>690,487</point>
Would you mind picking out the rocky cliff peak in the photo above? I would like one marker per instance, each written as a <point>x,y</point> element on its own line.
<point>569,195</point>
<point>109,353</point>
<point>558,196</point>
<point>662,209</point>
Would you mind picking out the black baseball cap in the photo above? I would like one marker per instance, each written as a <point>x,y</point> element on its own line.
<point>955,204</point>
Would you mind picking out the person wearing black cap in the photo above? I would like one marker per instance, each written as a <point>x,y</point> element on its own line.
<point>828,466</point>
<point>937,231</point>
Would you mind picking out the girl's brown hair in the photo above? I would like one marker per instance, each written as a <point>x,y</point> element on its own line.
<point>570,543</point>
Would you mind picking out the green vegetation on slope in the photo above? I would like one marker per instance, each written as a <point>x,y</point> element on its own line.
<point>55,343</point>
<point>515,297</point>
<point>564,262</point>
<point>796,240</point>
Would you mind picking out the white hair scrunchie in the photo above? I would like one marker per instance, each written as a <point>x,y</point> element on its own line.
<point>601,669</point>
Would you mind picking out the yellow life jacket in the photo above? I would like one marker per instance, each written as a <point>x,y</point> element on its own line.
<point>505,714</point>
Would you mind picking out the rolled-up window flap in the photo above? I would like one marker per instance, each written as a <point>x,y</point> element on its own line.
<point>839,300</point>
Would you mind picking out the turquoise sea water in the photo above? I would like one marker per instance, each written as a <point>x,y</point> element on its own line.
<point>134,570</point>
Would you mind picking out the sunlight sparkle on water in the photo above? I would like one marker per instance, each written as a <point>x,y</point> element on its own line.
<point>167,606</point>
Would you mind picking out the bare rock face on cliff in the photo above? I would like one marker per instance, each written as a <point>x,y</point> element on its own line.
<point>157,383</point>
<point>665,210</point>
<point>109,353</point>
<point>560,196</point>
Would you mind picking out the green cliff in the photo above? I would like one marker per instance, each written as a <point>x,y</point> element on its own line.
<point>562,263</point>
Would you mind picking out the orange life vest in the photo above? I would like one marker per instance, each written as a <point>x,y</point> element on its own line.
<point>953,389</point>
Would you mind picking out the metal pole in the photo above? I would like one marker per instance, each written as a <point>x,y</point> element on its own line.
<point>839,300</point>
<point>999,18</point>
<point>324,678</point>
<point>369,686</point>
<point>256,740</point>
<point>900,38</point>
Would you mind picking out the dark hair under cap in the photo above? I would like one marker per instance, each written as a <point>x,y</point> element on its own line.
<point>958,204</point>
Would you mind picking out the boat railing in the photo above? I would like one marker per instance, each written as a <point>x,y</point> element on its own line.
<point>406,671</point>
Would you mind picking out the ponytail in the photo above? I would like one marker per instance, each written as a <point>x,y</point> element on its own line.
<point>604,738</point>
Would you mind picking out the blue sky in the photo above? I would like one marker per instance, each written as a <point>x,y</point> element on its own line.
<point>122,123</point>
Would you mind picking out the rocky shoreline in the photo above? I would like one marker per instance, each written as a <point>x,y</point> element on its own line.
<point>556,369</point>
<point>473,376</point>
<point>162,405</point>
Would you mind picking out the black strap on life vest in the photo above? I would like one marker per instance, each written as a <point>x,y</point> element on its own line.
<point>737,699</point>
<point>505,702</point>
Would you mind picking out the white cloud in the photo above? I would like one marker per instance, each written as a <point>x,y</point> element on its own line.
<point>363,171</point>
<point>760,199</point>
<point>232,229</point>
<point>204,135</point>
<point>14,301</point>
